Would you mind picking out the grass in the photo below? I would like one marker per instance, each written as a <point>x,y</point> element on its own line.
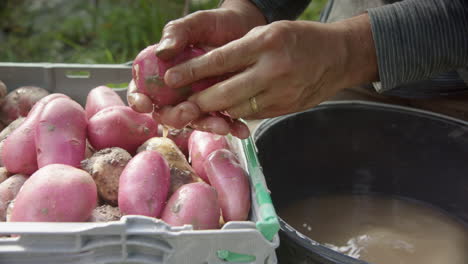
<point>91,31</point>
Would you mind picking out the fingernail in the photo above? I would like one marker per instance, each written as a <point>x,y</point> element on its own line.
<point>164,45</point>
<point>172,78</point>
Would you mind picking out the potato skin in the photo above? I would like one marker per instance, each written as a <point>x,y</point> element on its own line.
<point>56,193</point>
<point>181,171</point>
<point>99,98</point>
<point>120,126</point>
<point>19,149</point>
<point>105,213</point>
<point>201,144</point>
<point>193,204</point>
<point>8,191</point>
<point>144,185</point>
<point>10,128</point>
<point>106,166</point>
<point>60,135</point>
<point>181,138</point>
<point>19,102</point>
<point>230,181</point>
<point>4,174</point>
<point>3,90</point>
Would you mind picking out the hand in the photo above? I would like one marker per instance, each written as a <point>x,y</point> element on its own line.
<point>284,67</point>
<point>204,28</point>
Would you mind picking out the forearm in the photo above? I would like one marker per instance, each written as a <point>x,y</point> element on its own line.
<point>251,13</point>
<point>415,40</point>
<point>275,10</point>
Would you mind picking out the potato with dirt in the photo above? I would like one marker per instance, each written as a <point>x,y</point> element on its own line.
<point>181,171</point>
<point>181,138</point>
<point>4,174</point>
<point>8,191</point>
<point>144,185</point>
<point>230,181</point>
<point>56,193</point>
<point>60,134</point>
<point>11,127</point>
<point>120,126</point>
<point>105,213</point>
<point>193,204</point>
<point>99,98</point>
<point>106,166</point>
<point>148,74</point>
<point>19,102</point>
<point>19,149</point>
<point>3,90</point>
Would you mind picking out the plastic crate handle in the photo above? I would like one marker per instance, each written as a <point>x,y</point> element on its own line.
<point>268,223</point>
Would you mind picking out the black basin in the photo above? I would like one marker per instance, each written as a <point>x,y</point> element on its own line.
<point>362,148</point>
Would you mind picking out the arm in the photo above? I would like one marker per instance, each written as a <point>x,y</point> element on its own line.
<point>414,40</point>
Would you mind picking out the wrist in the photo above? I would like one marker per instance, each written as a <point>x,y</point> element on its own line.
<point>361,58</point>
<point>249,12</point>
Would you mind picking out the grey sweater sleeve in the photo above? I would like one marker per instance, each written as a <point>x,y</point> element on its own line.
<point>416,39</point>
<point>274,10</point>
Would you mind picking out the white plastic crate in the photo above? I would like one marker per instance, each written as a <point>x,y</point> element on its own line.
<point>134,239</point>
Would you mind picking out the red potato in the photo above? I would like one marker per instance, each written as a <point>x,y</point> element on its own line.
<point>56,193</point>
<point>7,131</point>
<point>148,73</point>
<point>120,126</point>
<point>193,204</point>
<point>230,181</point>
<point>181,138</point>
<point>19,102</point>
<point>201,144</point>
<point>61,133</point>
<point>99,98</point>
<point>8,191</point>
<point>19,150</point>
<point>144,185</point>
<point>181,171</point>
<point>10,128</point>
<point>89,150</point>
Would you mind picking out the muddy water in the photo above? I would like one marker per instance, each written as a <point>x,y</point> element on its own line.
<point>381,230</point>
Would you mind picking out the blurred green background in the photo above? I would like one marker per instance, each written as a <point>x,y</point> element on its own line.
<point>92,31</point>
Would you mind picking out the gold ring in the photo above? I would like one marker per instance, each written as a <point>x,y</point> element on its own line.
<point>253,104</point>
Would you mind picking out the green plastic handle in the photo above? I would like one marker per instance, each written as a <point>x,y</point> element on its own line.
<point>268,223</point>
<point>230,256</point>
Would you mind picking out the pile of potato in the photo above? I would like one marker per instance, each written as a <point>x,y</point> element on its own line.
<point>63,163</point>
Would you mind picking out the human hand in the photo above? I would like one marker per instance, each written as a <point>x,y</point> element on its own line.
<point>204,28</point>
<point>283,67</point>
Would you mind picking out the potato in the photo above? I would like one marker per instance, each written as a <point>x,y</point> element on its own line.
<point>181,172</point>
<point>19,149</point>
<point>89,150</point>
<point>193,204</point>
<point>11,127</point>
<point>3,174</point>
<point>99,98</point>
<point>56,193</point>
<point>19,102</point>
<point>148,74</point>
<point>181,138</point>
<point>144,185</point>
<point>3,90</point>
<point>105,213</point>
<point>120,126</point>
<point>106,166</point>
<point>200,145</point>
<point>8,191</point>
<point>61,133</point>
<point>231,183</point>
